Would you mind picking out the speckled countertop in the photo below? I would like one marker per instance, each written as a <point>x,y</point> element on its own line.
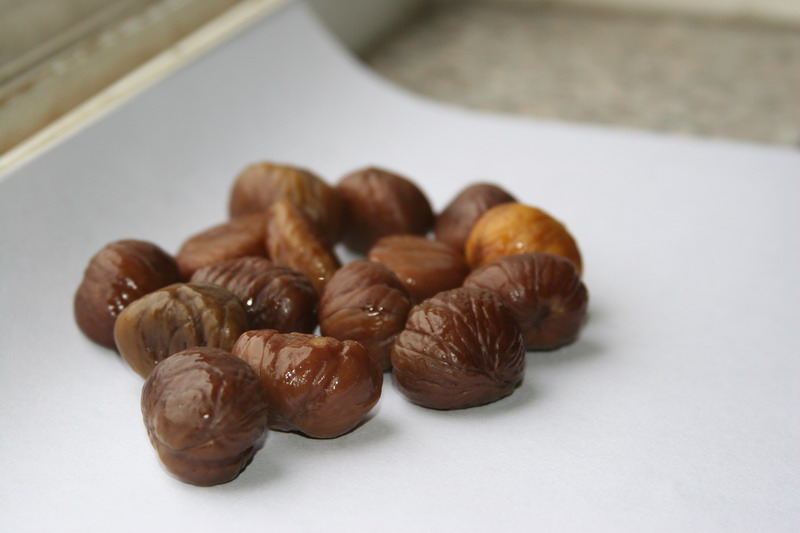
<point>725,79</point>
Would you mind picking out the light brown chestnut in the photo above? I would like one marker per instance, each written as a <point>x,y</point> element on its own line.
<point>205,412</point>
<point>380,203</point>
<point>276,297</point>
<point>319,386</point>
<point>425,267</point>
<point>240,237</point>
<point>455,222</point>
<point>544,293</point>
<point>293,241</point>
<point>261,184</point>
<point>516,228</point>
<point>459,349</point>
<point>177,317</point>
<point>365,302</point>
<point>117,275</point>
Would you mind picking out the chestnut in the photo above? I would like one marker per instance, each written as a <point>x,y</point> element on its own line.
<point>240,237</point>
<point>319,386</point>
<point>117,275</point>
<point>275,297</point>
<point>293,241</point>
<point>206,414</point>
<point>380,203</point>
<point>455,222</point>
<point>544,293</point>
<point>425,267</point>
<point>261,184</point>
<point>177,317</point>
<point>459,349</point>
<point>365,302</point>
<point>516,228</point>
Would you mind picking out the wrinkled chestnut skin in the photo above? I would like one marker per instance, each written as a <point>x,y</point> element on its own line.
<point>380,203</point>
<point>175,318</point>
<point>206,414</point>
<point>117,275</point>
<point>319,386</point>
<point>261,184</point>
<point>460,349</point>
<point>455,222</point>
<point>292,241</point>
<point>275,297</point>
<point>544,293</point>
<point>515,228</point>
<point>241,237</point>
<point>367,303</point>
<point>425,267</point>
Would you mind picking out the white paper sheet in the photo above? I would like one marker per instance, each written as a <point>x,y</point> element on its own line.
<point>677,410</point>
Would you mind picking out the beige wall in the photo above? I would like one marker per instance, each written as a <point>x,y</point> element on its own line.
<point>783,11</point>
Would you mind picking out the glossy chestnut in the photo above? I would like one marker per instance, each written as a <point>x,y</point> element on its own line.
<point>544,293</point>
<point>177,317</point>
<point>117,275</point>
<point>205,412</point>
<point>319,386</point>
<point>459,349</point>
<point>367,303</point>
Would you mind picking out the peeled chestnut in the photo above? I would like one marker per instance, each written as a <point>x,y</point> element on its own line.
<point>319,386</point>
<point>206,414</point>
<point>240,237</point>
<point>515,228</point>
<point>293,241</point>
<point>455,222</point>
<point>365,302</point>
<point>425,267</point>
<point>380,203</point>
<point>275,297</point>
<point>460,349</point>
<point>117,275</point>
<point>177,317</point>
<point>544,293</point>
<point>262,184</point>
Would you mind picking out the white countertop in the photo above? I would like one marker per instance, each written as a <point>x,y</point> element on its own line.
<point>677,410</point>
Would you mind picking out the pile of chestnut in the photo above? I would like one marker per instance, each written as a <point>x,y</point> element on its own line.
<point>223,331</point>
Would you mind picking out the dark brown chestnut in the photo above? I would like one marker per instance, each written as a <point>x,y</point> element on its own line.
<point>175,318</point>
<point>543,291</point>
<point>293,241</point>
<point>276,297</point>
<point>262,184</point>
<point>425,267</point>
<point>117,275</point>
<point>380,203</point>
<point>243,236</point>
<point>319,386</point>
<point>206,415</point>
<point>460,349</point>
<point>365,302</point>
<point>455,222</point>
